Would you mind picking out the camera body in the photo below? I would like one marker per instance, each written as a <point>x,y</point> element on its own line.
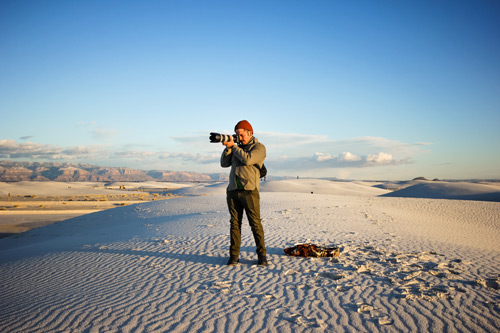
<point>217,137</point>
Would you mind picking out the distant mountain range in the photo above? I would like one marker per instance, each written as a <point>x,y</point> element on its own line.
<point>76,172</point>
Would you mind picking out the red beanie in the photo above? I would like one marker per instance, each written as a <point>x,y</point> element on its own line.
<point>244,125</point>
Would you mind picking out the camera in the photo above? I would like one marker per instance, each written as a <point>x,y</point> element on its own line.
<point>217,137</point>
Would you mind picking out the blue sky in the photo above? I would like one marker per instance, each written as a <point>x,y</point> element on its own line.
<point>347,89</point>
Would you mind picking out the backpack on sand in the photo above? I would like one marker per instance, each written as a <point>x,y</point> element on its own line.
<point>312,250</point>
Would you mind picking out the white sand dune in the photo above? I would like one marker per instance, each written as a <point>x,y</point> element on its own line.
<point>406,264</point>
<point>315,186</point>
<point>201,189</point>
<point>318,186</point>
<point>450,190</point>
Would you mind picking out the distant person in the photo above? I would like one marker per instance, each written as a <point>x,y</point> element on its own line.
<point>245,160</point>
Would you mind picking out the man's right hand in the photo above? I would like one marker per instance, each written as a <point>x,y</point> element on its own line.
<point>229,144</point>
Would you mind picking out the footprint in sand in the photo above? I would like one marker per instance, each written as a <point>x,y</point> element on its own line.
<point>364,269</point>
<point>364,307</point>
<point>223,286</point>
<point>438,274</point>
<point>305,321</point>
<point>367,308</point>
<point>385,321</point>
<point>344,287</point>
<point>490,283</point>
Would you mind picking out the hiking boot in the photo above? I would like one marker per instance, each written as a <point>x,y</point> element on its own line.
<point>233,261</point>
<point>262,261</point>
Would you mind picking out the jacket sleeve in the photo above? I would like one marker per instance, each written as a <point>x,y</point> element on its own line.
<point>256,155</point>
<point>225,159</point>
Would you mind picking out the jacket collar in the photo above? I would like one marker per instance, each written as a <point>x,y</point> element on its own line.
<point>252,141</point>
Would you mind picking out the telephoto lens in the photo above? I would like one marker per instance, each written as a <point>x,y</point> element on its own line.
<point>217,137</point>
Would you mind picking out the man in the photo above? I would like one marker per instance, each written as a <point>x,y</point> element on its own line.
<point>245,160</point>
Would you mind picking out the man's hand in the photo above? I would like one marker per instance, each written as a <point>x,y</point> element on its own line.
<point>229,144</point>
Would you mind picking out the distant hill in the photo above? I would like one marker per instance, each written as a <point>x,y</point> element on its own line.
<point>76,172</point>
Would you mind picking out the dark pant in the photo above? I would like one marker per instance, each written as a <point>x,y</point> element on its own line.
<point>249,201</point>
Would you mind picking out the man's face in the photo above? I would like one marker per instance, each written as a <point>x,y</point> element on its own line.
<point>244,135</point>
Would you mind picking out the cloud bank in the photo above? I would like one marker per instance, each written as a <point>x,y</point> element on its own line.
<point>343,160</point>
<point>286,152</point>
<point>10,149</point>
<point>30,150</point>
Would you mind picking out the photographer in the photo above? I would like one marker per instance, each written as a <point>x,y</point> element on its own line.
<point>245,160</point>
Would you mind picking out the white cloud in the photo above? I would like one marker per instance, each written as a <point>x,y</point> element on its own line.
<point>348,157</point>
<point>380,158</point>
<point>190,157</point>
<point>320,157</point>
<point>327,161</point>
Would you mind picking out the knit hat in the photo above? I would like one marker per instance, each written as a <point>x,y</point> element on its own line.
<point>244,125</point>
